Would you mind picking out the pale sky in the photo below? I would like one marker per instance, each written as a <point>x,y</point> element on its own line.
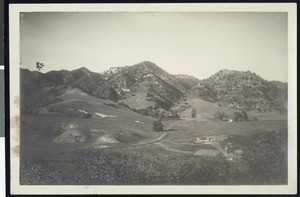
<point>197,44</point>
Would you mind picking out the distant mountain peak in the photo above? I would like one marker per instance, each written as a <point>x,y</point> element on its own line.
<point>147,62</point>
<point>84,69</point>
<point>226,71</point>
<point>150,67</point>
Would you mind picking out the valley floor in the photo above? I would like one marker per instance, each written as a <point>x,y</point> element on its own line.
<point>170,157</point>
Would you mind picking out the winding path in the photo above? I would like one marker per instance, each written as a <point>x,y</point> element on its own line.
<point>166,132</point>
<point>173,149</point>
<point>218,146</point>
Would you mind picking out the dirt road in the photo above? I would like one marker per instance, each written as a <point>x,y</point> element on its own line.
<point>166,132</point>
<point>173,149</point>
<point>218,146</point>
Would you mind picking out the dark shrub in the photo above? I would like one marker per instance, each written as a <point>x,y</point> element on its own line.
<point>50,108</point>
<point>157,126</point>
<point>144,112</point>
<point>113,95</point>
<point>87,115</point>
<point>194,113</point>
<point>237,116</point>
<point>254,119</point>
<point>122,104</point>
<point>220,115</point>
<point>245,115</point>
<point>240,116</point>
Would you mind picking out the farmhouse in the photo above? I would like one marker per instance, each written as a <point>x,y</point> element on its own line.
<point>205,139</point>
<point>211,139</point>
<point>201,139</point>
<point>238,152</point>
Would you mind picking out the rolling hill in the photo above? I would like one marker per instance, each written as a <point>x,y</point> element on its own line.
<point>65,124</point>
<point>241,90</point>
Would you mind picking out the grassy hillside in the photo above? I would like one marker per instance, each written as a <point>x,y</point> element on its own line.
<point>64,123</point>
<point>205,110</point>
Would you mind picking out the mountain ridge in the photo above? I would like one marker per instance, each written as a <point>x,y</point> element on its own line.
<point>147,86</point>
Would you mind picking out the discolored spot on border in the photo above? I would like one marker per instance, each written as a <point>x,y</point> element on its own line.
<point>17,101</point>
<point>16,151</point>
<point>15,124</point>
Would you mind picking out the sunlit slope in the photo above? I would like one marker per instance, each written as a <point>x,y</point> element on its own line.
<point>65,122</point>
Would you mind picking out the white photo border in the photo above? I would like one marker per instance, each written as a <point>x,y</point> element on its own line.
<point>14,59</point>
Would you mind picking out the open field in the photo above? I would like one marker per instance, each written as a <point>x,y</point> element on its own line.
<point>207,110</point>
<point>194,128</point>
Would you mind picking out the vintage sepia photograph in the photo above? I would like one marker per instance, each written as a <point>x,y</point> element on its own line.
<point>152,97</point>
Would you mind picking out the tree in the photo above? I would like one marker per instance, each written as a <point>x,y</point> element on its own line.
<point>220,115</point>
<point>39,65</point>
<point>194,113</point>
<point>240,116</point>
<point>113,95</point>
<point>144,112</point>
<point>237,116</point>
<point>87,115</point>
<point>254,118</point>
<point>245,115</point>
<point>162,115</point>
<point>175,115</point>
<point>157,126</point>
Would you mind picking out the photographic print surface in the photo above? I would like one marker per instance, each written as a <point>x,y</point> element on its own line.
<point>152,98</point>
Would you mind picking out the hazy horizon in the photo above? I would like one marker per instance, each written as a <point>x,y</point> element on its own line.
<point>195,44</point>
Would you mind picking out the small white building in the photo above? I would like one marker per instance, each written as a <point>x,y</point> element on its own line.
<point>205,139</point>
<point>211,139</point>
